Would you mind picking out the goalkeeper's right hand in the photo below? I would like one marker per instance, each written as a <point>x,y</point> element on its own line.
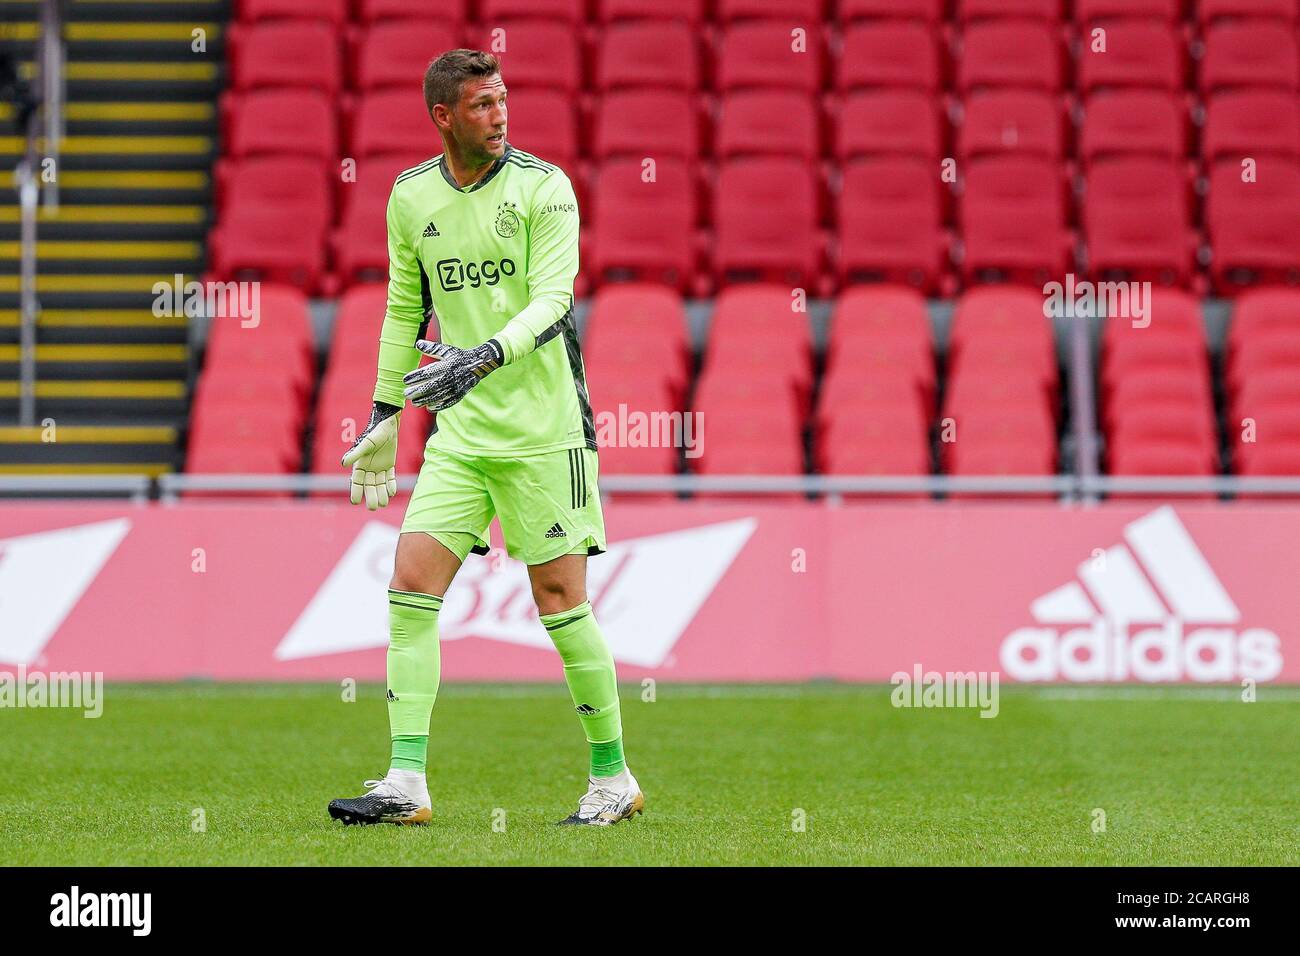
<point>373,457</point>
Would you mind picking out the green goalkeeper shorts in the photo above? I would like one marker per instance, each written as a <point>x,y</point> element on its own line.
<point>548,504</point>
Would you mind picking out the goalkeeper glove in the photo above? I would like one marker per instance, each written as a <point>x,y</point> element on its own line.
<point>443,383</point>
<point>373,457</point>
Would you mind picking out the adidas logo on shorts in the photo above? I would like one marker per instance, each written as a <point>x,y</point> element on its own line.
<point>557,532</point>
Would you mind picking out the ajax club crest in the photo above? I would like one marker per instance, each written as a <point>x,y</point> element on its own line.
<point>507,223</point>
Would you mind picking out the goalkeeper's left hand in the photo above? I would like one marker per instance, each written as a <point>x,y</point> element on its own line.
<point>445,382</point>
<point>373,458</point>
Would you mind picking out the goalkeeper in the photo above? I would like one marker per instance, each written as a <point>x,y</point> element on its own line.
<point>485,238</point>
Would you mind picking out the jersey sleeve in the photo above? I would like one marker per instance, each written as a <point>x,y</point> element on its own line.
<point>406,313</point>
<point>552,267</point>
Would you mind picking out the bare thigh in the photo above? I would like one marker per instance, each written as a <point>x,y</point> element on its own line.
<point>423,565</point>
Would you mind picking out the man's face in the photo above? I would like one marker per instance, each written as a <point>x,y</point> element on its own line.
<point>478,123</point>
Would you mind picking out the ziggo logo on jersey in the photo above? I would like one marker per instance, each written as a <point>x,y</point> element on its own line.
<point>454,275</point>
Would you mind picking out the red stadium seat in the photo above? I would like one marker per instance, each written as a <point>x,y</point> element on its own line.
<point>848,430</point>
<point>1047,10</point>
<point>292,187</point>
<point>449,12</point>
<point>795,11</point>
<point>287,53</point>
<point>334,12</point>
<point>1262,309</point>
<point>1000,312</point>
<point>284,122</point>
<point>688,11</point>
<point>649,122</point>
<point>1242,123</point>
<point>897,54</point>
<point>1013,220</point>
<point>644,229</point>
<point>1273,460</point>
<point>998,427</point>
<point>536,52</point>
<point>1168,11</point>
<point>1019,53</point>
<point>1250,53</point>
<point>873,122</point>
<point>889,213</point>
<point>1138,53</point>
<point>1254,226</point>
<point>267,246</point>
<point>1211,10</point>
<point>1011,121</point>
<point>395,53</point>
<point>760,318</point>
<point>768,123</point>
<point>354,340</point>
<point>564,11</point>
<point>394,121</point>
<point>1133,122</point>
<point>544,123</point>
<point>1153,459</point>
<point>374,179</point>
<point>765,213</point>
<point>880,310</point>
<point>929,11</point>
<point>757,53</point>
<point>1137,222</point>
<point>662,54</point>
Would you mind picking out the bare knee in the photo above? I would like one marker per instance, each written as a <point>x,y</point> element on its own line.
<point>422,565</point>
<point>560,584</point>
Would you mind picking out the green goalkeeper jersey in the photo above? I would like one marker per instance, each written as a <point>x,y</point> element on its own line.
<point>493,260</point>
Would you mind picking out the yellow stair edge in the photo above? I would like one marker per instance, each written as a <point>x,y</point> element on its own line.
<point>90,435</point>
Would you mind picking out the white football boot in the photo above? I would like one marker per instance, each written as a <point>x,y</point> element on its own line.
<point>401,797</point>
<point>608,800</point>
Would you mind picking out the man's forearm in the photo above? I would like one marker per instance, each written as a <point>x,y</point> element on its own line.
<point>520,335</point>
<point>397,356</point>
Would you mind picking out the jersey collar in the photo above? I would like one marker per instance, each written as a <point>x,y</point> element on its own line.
<point>487,177</point>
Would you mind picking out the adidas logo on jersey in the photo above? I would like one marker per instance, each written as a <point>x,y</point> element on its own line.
<point>557,532</point>
<point>431,231</point>
<point>1148,609</point>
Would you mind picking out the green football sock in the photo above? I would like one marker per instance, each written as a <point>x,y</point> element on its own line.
<point>413,671</point>
<point>593,686</point>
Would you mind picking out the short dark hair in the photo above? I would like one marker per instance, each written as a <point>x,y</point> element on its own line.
<point>445,75</point>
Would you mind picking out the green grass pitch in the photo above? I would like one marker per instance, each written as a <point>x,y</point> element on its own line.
<point>1183,776</point>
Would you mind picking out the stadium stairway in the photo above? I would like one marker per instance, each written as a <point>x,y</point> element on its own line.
<point>134,191</point>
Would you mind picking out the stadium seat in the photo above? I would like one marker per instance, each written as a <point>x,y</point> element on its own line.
<point>543,122</point>
<point>889,214</point>
<point>264,245</point>
<point>927,11</point>
<point>768,123</point>
<point>536,52</point>
<point>690,12</point>
<point>354,339</point>
<point>334,12</point>
<point>646,122</point>
<point>1138,53</point>
<point>1262,309</point>
<point>1270,460</point>
<point>1167,11</point>
<point>1212,10</point>
<point>449,13</point>
<point>287,53</point>
<point>1048,11</point>
<point>563,11</point>
<point>1013,220</point>
<point>1016,53</point>
<point>644,229</point>
<point>284,122</point>
<point>897,432</point>
<point>374,179</point>
<point>796,11</point>
<point>648,53</point>
<point>888,53</point>
<point>1008,426</point>
<point>1250,53</point>
<point>1010,121</point>
<point>393,121</point>
<point>1136,221</point>
<point>395,53</point>
<point>876,122</point>
<point>1254,226</point>
<point>293,187</point>
<point>1242,123</point>
<point>758,53</point>
<point>765,213</point>
<point>1133,122</point>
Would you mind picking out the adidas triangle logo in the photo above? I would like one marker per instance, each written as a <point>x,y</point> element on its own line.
<point>557,532</point>
<point>431,231</point>
<point>1150,609</point>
